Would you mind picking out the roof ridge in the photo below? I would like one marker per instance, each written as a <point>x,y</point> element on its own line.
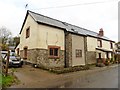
<point>65,23</point>
<point>83,28</point>
<point>45,16</point>
<point>61,21</point>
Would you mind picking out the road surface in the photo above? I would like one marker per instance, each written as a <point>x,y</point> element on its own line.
<point>98,77</point>
<point>103,79</point>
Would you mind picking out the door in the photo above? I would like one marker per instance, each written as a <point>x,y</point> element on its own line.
<point>25,52</point>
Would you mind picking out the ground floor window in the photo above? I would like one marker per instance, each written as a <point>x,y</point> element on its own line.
<point>54,51</point>
<point>78,53</point>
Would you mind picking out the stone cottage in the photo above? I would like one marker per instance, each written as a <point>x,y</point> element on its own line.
<point>52,43</point>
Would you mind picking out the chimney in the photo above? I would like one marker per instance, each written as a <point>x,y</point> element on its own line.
<point>101,32</point>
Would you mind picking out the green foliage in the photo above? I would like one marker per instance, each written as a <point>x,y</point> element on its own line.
<point>107,62</point>
<point>4,47</point>
<point>6,81</point>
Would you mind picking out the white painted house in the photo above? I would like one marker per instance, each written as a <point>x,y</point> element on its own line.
<point>52,43</point>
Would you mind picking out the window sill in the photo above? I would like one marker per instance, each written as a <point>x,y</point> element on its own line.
<point>54,57</point>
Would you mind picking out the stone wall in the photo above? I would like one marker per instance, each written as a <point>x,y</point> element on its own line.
<point>68,46</point>
<point>31,55</point>
<point>40,57</point>
<point>91,57</point>
<point>21,53</point>
<point>45,61</point>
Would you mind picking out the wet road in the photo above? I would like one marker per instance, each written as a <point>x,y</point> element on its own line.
<point>103,79</point>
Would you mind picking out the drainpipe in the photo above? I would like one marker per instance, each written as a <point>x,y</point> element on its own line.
<point>85,49</point>
<point>65,66</point>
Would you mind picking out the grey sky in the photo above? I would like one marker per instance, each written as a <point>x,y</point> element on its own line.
<point>89,16</point>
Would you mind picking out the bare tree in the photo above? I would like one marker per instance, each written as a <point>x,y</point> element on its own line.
<point>4,34</point>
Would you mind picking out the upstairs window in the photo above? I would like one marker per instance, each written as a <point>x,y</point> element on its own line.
<point>111,45</point>
<point>99,42</point>
<point>53,51</point>
<point>28,32</point>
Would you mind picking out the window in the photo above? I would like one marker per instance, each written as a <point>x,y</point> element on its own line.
<point>99,43</point>
<point>107,54</point>
<point>27,32</point>
<point>99,55</point>
<point>78,53</point>
<point>25,52</point>
<point>111,45</point>
<point>54,51</point>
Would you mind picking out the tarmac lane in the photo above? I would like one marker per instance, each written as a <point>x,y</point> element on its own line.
<point>105,77</point>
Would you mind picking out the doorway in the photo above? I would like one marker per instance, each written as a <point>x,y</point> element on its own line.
<point>25,52</point>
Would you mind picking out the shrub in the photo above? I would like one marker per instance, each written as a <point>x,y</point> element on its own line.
<point>67,70</point>
<point>107,62</point>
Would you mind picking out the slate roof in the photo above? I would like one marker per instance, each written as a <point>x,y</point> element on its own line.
<point>53,22</point>
<point>47,20</point>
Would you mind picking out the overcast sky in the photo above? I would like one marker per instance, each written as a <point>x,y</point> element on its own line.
<point>89,14</point>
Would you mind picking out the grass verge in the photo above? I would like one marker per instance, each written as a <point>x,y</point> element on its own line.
<point>7,81</point>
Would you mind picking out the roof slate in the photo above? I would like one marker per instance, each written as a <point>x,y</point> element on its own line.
<point>71,28</point>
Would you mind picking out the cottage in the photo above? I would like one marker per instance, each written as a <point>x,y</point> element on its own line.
<point>99,48</point>
<point>52,43</point>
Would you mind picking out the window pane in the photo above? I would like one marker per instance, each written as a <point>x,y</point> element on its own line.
<point>27,32</point>
<point>99,42</point>
<point>111,45</point>
<point>55,51</point>
<point>51,52</point>
<point>78,53</point>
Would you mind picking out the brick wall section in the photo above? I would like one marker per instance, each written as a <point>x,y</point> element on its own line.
<point>68,39</point>
<point>91,57</point>
<point>40,57</point>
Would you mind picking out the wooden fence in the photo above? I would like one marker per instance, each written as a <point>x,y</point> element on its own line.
<point>5,64</point>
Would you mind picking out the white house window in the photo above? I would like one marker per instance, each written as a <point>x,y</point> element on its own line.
<point>53,51</point>
<point>111,45</point>
<point>99,43</point>
<point>78,53</point>
<point>28,32</point>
